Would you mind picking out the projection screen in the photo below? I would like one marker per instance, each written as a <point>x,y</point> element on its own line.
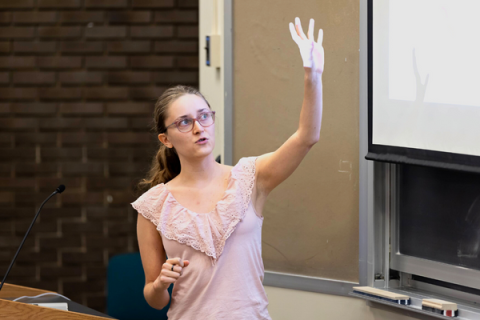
<point>424,82</point>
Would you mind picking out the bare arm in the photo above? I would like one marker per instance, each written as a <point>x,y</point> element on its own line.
<point>273,168</point>
<point>153,254</point>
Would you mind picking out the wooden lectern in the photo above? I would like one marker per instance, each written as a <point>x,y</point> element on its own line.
<point>18,310</point>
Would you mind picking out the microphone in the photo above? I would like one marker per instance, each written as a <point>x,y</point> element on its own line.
<point>60,189</point>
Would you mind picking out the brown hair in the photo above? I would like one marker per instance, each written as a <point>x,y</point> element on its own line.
<point>166,163</point>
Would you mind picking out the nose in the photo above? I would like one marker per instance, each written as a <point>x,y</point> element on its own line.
<point>197,127</point>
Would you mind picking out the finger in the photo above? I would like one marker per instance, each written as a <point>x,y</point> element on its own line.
<point>178,261</point>
<point>295,36</point>
<point>168,266</point>
<point>167,279</point>
<point>320,37</point>
<point>170,274</point>
<point>298,26</point>
<point>185,263</point>
<point>311,27</point>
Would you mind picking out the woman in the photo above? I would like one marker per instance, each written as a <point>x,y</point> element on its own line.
<point>207,217</point>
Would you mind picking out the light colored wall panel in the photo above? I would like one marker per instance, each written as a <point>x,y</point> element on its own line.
<point>311,220</point>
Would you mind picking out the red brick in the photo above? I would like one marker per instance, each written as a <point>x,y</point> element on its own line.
<point>128,168</point>
<point>17,32</point>
<point>18,124</point>
<point>17,183</point>
<point>153,3</point>
<point>35,17</point>
<point>43,47</point>
<point>18,94</point>
<point>59,62</point>
<point>82,109</point>
<point>5,17</point>
<point>55,272</point>
<point>4,46</point>
<point>61,123</point>
<point>128,77</point>
<point>6,139</point>
<point>84,47</point>
<point>99,241</point>
<point>17,154</point>
<point>102,183</point>
<point>7,197</point>
<point>106,32</point>
<point>151,62</point>
<point>16,4</point>
<point>188,3</point>
<point>35,108</point>
<point>47,184</point>
<point>175,77</point>
<point>82,17</point>
<point>106,93</point>
<point>106,4</point>
<point>106,123</point>
<point>79,257</point>
<point>105,62</point>
<point>105,214</point>
<point>129,46</point>
<point>146,93</point>
<point>36,168</point>
<point>57,4</point>
<point>130,17</point>
<point>81,77</point>
<point>187,32</point>
<point>187,62</point>
<point>141,123</point>
<point>176,46</point>
<point>17,62</point>
<point>108,153</point>
<point>81,138</point>
<point>129,138</point>
<point>120,228</point>
<point>91,168</point>
<point>176,16</point>
<point>153,32</point>
<point>5,170</point>
<point>61,93</point>
<point>61,153</point>
<point>40,227</point>
<point>4,77</point>
<point>33,77</point>
<point>60,32</point>
<point>34,138</point>
<point>130,108</point>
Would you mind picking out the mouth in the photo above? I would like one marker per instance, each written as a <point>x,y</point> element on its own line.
<point>201,140</point>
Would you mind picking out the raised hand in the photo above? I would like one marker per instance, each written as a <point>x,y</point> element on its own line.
<point>312,52</point>
<point>168,274</point>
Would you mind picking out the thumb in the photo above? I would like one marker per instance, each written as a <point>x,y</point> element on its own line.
<point>185,263</point>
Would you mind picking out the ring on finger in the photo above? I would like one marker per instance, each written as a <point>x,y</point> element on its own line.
<point>172,266</point>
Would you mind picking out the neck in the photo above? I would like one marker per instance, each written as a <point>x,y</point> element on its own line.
<point>198,172</point>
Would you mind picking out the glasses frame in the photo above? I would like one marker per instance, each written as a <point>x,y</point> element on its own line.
<point>193,123</point>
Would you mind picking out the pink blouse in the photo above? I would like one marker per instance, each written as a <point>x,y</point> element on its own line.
<point>224,247</point>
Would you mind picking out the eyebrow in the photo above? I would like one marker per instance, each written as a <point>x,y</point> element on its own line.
<point>186,115</point>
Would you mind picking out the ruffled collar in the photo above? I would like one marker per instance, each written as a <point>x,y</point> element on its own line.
<point>206,232</point>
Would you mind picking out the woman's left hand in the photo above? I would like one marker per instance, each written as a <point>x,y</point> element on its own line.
<point>312,52</point>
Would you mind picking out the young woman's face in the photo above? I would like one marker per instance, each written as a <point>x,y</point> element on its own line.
<point>185,143</point>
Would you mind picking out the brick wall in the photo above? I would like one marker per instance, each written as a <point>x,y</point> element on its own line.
<point>78,81</point>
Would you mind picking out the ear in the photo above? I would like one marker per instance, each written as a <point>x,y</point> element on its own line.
<point>164,139</point>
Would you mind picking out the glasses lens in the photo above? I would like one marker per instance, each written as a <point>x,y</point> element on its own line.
<point>185,125</point>
<point>206,119</point>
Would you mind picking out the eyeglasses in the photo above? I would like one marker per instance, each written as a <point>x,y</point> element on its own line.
<point>186,124</point>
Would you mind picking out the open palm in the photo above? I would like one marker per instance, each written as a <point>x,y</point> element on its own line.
<point>312,52</point>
